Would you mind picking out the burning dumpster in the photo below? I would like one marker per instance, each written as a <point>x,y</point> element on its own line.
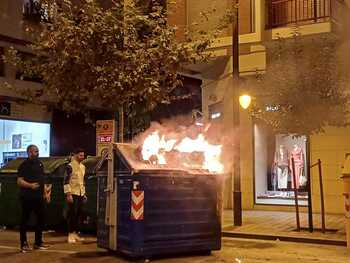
<point>147,209</point>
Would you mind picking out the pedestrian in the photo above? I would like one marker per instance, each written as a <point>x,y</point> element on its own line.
<point>33,197</point>
<point>74,190</point>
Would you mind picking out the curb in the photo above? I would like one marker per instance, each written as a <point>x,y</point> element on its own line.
<point>333,242</point>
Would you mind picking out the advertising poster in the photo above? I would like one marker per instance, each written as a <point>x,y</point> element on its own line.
<point>16,141</point>
<point>26,140</point>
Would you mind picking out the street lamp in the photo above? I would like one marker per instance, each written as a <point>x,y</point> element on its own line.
<point>237,194</point>
<point>244,101</point>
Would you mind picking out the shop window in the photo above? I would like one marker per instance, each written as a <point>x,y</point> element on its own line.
<point>17,135</point>
<point>273,167</point>
<point>26,57</point>
<point>2,63</point>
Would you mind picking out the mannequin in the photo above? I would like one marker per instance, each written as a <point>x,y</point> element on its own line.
<point>281,164</point>
<point>298,156</point>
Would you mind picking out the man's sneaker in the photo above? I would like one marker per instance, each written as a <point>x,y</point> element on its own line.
<point>42,246</point>
<point>25,248</point>
<point>78,238</point>
<point>71,238</point>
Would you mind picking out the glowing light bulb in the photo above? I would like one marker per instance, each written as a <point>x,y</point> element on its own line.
<point>244,101</point>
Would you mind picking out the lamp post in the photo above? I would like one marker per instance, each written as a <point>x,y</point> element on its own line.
<point>237,194</point>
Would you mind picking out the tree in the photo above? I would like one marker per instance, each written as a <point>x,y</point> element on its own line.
<point>123,55</point>
<point>305,87</point>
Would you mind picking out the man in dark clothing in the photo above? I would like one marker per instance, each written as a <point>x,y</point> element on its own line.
<point>32,188</point>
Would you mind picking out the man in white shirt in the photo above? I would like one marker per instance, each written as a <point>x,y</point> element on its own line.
<point>74,189</point>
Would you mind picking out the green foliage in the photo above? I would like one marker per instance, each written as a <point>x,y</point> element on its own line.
<point>305,87</point>
<point>90,56</point>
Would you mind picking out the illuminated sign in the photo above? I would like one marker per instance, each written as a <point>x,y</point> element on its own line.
<point>272,108</point>
<point>215,115</point>
<point>105,138</point>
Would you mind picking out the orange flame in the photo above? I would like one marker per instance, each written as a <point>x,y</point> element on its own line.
<point>157,146</point>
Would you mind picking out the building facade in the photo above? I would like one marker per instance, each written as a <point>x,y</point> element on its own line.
<point>22,123</point>
<point>12,33</point>
<point>265,186</point>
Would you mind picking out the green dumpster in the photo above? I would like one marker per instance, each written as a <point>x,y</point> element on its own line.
<point>54,167</point>
<point>9,206</point>
<point>10,210</point>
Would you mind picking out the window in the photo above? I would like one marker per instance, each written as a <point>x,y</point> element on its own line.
<point>26,57</point>
<point>2,64</point>
<point>149,4</point>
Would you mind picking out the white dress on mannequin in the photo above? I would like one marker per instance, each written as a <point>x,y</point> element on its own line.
<point>282,166</point>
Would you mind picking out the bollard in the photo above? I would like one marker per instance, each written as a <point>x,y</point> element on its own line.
<point>346,181</point>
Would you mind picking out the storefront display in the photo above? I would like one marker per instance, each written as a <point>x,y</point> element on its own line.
<point>16,135</point>
<point>274,182</point>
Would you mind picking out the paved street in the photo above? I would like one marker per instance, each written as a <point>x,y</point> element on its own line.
<point>233,251</point>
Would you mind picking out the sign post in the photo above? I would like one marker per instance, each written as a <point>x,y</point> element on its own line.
<point>105,134</point>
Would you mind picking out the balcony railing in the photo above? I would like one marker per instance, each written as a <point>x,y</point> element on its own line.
<point>285,12</point>
<point>35,11</point>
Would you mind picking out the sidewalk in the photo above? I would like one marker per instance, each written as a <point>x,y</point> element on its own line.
<point>271,225</point>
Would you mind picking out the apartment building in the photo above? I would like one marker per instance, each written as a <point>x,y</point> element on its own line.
<point>21,123</point>
<point>261,22</point>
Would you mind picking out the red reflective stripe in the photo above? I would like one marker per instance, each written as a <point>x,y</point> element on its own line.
<point>137,205</point>
<point>137,193</point>
<point>137,217</point>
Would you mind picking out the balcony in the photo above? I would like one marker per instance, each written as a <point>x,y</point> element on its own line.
<point>35,11</point>
<point>281,13</point>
